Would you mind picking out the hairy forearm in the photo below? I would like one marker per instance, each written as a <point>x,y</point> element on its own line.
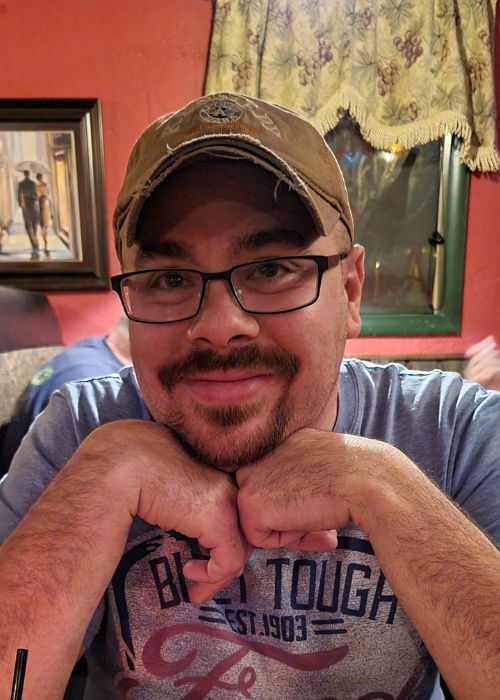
<point>54,569</point>
<point>445,573</point>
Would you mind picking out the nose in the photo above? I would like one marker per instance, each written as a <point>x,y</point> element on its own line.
<point>221,321</point>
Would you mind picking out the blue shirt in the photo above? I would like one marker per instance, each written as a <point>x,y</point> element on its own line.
<point>91,357</point>
<point>295,624</point>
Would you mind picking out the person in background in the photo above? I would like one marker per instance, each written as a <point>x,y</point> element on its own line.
<point>42,192</point>
<point>483,364</point>
<point>27,199</point>
<point>243,513</point>
<point>90,357</point>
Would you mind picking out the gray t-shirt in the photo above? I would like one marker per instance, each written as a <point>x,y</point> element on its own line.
<point>295,625</point>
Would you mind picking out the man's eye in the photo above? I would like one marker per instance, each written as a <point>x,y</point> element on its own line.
<point>167,280</point>
<point>275,269</point>
<point>268,269</point>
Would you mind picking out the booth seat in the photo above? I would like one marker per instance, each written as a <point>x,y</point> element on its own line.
<point>30,335</point>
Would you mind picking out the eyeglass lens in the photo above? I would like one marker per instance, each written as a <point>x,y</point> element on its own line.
<point>266,286</point>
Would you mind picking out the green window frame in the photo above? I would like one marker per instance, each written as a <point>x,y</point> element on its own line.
<point>445,303</point>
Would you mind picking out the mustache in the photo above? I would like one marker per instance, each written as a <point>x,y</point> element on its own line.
<point>249,356</point>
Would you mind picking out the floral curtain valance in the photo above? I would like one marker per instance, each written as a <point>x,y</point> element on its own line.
<point>407,71</point>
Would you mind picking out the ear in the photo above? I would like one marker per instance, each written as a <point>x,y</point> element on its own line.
<point>354,275</point>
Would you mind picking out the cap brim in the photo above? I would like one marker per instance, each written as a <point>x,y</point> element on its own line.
<point>324,215</point>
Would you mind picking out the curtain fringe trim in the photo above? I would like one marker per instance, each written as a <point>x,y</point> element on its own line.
<point>421,131</point>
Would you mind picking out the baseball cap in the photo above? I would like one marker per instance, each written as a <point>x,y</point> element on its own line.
<point>226,124</point>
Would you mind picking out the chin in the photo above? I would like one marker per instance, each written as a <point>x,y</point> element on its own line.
<point>225,452</point>
<point>231,437</point>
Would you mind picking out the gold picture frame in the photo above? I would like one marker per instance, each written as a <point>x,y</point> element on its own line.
<point>52,208</point>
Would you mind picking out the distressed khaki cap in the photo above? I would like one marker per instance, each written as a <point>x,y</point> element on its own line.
<point>233,125</point>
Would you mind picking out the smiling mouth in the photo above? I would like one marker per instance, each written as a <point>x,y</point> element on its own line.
<point>226,388</point>
<point>231,375</point>
<point>240,364</point>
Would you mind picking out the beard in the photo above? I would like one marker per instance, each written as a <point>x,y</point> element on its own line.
<point>223,449</point>
<point>223,445</point>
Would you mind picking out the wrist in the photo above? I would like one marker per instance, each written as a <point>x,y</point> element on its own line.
<point>380,482</point>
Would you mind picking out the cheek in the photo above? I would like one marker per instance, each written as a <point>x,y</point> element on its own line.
<point>316,335</point>
<point>323,341</point>
<point>323,325</point>
<point>150,347</point>
<point>140,343</point>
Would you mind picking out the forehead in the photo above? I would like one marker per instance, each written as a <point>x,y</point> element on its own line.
<point>231,195</point>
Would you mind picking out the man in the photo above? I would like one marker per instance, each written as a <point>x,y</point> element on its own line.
<point>246,515</point>
<point>90,357</point>
<point>28,201</point>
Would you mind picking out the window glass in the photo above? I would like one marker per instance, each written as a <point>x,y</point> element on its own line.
<point>394,196</point>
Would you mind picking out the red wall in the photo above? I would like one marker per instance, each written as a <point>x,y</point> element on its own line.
<point>143,58</point>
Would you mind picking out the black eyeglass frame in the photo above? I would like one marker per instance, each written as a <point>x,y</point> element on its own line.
<point>323,262</point>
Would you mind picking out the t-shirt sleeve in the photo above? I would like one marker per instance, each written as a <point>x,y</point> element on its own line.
<point>47,447</point>
<point>75,363</point>
<point>41,395</point>
<point>475,475</point>
<point>36,463</point>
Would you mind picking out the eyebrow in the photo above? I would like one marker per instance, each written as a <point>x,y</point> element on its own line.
<point>259,239</point>
<point>151,249</point>
<point>242,243</point>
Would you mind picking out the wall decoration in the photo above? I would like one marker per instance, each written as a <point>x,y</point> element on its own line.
<point>52,213</point>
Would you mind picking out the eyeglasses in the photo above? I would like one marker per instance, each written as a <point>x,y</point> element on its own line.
<point>272,286</point>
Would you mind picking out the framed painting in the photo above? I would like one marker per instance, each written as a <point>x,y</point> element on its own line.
<point>52,210</point>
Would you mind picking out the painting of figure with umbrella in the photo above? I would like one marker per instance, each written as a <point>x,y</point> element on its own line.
<point>52,218</point>
<point>38,194</point>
